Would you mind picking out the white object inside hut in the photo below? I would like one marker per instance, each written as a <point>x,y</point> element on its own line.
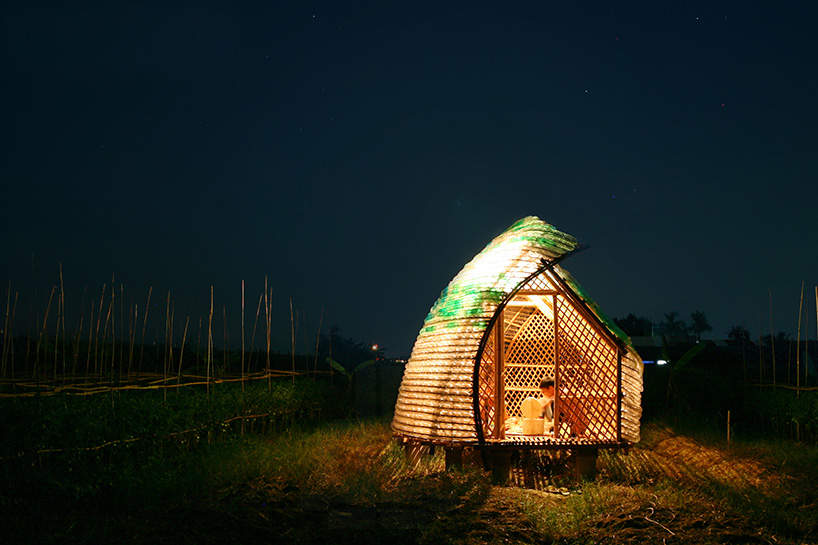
<point>532,423</point>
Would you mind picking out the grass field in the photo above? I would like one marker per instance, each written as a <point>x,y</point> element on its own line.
<point>348,482</point>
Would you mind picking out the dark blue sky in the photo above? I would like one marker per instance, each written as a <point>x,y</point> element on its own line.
<point>359,154</point>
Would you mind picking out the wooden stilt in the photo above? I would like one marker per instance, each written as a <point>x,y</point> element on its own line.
<point>585,463</point>
<point>414,452</point>
<point>527,464</point>
<point>454,457</point>
<point>501,466</point>
<point>472,457</point>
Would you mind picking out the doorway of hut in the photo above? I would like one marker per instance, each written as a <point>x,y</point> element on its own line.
<point>545,332</point>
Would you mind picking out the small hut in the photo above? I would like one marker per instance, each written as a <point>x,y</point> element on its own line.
<point>511,318</point>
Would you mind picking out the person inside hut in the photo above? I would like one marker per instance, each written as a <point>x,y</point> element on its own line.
<point>547,402</point>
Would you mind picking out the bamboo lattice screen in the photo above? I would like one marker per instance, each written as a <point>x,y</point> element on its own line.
<point>587,383</point>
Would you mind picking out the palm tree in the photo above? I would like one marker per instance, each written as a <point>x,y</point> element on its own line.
<point>739,333</point>
<point>672,325</point>
<point>634,326</point>
<point>781,337</point>
<point>700,324</point>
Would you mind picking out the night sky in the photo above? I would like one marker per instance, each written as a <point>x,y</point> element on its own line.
<point>359,154</point>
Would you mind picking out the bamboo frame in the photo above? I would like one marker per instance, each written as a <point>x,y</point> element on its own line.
<point>557,369</point>
<point>484,339</point>
<point>511,333</point>
<point>619,396</point>
<point>499,381</point>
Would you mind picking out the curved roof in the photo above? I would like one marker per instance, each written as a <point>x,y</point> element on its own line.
<point>435,398</point>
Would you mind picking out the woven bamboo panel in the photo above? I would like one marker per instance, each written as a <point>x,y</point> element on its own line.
<point>632,369</point>
<point>488,369</point>
<point>530,357</point>
<point>541,282</point>
<point>587,378</point>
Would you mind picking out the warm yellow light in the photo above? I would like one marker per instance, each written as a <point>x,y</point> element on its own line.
<point>542,303</point>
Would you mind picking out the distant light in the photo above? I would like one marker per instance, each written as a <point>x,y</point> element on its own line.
<point>375,347</point>
<point>661,362</point>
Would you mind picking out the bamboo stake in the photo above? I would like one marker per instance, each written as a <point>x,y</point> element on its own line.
<point>317,339</point>
<point>64,330</point>
<point>157,345</point>
<point>292,334</point>
<point>198,344</point>
<point>789,363</point>
<point>96,336</point>
<point>60,319</point>
<point>144,326</point>
<point>6,334</point>
<point>253,338</point>
<point>28,340</point>
<point>170,335</point>
<point>267,306</point>
<point>78,333</point>
<point>56,341</point>
<point>806,349</point>
<point>90,341</point>
<point>798,346</point>
<point>242,339</point>
<point>772,336</point>
<point>789,360</point>
<point>77,342</point>
<point>331,372</point>
<point>306,346</point>
<point>108,319</point>
<point>167,333</point>
<point>269,329</point>
<point>170,341</point>
<point>209,342</point>
<point>182,353</point>
<point>36,319</point>
<point>133,319</point>
<point>11,336</point>
<point>760,354</point>
<point>112,311</point>
<point>40,337</point>
<point>226,338</point>
<point>122,330</point>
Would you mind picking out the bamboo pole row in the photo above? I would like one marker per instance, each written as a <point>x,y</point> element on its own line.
<point>799,349</point>
<point>159,381</point>
<point>98,332</point>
